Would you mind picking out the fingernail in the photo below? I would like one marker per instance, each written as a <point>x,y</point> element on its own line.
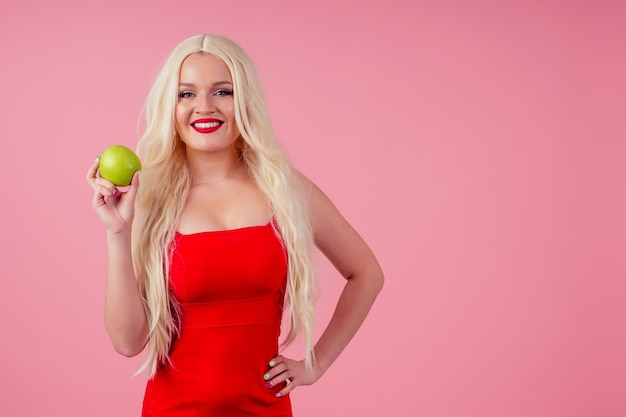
<point>115,192</point>
<point>278,394</point>
<point>269,385</point>
<point>98,157</point>
<point>272,363</point>
<point>266,376</point>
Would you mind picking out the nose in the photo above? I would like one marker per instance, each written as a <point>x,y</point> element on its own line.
<point>206,104</point>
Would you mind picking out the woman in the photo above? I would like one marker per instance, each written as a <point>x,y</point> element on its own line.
<point>220,244</point>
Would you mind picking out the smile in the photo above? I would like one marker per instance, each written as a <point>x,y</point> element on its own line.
<point>206,125</point>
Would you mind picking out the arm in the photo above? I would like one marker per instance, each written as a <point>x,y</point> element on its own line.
<point>354,260</point>
<point>124,315</point>
<point>349,253</point>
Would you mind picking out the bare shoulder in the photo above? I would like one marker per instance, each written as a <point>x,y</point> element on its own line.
<point>321,208</point>
<point>336,238</point>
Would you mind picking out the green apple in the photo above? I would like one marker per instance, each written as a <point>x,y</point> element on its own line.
<point>118,164</point>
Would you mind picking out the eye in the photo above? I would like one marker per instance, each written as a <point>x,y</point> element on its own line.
<point>185,94</point>
<point>223,92</point>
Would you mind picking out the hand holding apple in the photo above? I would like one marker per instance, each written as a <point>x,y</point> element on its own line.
<point>115,209</point>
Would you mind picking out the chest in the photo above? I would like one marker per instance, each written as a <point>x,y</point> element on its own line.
<point>223,206</point>
<point>228,265</point>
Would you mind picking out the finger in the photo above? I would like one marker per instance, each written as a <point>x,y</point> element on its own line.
<point>103,191</point>
<point>91,173</point>
<point>102,195</point>
<point>99,199</point>
<point>276,370</point>
<point>134,186</point>
<point>280,373</point>
<point>287,389</point>
<point>274,363</point>
<point>106,186</point>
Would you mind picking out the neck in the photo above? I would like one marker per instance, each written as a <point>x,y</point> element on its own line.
<point>210,167</point>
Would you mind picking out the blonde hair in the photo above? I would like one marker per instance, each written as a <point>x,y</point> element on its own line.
<point>165,182</point>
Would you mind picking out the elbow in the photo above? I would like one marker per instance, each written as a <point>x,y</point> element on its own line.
<point>376,279</point>
<point>379,282</point>
<point>126,344</point>
<point>127,349</point>
<point>372,281</point>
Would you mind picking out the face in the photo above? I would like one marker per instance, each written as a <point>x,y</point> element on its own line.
<point>205,111</point>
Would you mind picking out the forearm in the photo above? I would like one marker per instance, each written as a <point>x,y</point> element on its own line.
<point>352,308</point>
<point>124,314</point>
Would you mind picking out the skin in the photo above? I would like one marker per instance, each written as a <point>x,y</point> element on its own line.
<point>224,196</point>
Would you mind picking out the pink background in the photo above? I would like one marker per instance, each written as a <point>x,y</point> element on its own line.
<point>478,146</point>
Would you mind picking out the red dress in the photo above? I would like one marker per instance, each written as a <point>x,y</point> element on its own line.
<point>230,285</point>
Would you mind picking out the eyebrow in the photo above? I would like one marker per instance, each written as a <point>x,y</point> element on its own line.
<point>216,84</point>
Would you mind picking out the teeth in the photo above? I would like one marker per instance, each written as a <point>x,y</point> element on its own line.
<point>206,125</point>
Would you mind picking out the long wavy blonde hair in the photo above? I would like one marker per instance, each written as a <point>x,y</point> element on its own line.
<point>165,182</point>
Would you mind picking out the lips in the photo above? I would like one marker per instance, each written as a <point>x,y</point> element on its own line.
<point>206,125</point>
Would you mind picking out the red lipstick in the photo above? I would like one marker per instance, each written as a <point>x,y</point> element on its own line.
<point>206,125</point>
